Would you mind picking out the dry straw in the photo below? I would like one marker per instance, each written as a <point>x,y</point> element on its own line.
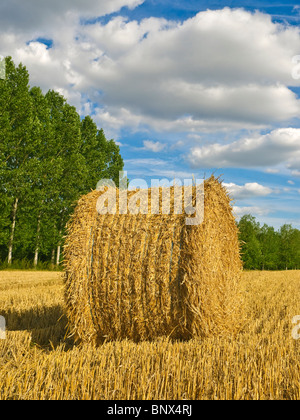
<point>144,276</point>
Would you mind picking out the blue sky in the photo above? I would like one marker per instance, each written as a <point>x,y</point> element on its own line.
<point>182,10</point>
<point>186,88</point>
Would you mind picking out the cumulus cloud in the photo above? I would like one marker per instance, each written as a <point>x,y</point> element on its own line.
<point>217,68</point>
<point>154,147</point>
<point>272,171</point>
<point>220,70</point>
<point>250,189</point>
<point>45,16</point>
<point>253,210</point>
<point>279,146</point>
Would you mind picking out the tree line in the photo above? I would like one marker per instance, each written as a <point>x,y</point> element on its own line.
<point>49,157</point>
<point>264,248</point>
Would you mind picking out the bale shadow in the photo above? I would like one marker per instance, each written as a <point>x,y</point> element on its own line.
<point>47,325</point>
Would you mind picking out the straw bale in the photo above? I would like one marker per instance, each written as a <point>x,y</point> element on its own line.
<point>149,275</point>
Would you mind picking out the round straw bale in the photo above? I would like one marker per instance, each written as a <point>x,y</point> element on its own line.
<point>147,275</point>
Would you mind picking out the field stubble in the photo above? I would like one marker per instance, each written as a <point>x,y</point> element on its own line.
<point>38,361</point>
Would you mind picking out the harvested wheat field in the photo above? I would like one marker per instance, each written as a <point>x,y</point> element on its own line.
<point>39,362</point>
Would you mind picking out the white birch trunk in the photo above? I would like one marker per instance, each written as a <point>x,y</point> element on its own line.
<point>58,252</point>
<point>12,234</point>
<point>36,253</point>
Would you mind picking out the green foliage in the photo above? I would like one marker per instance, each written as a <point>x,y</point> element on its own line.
<point>48,159</point>
<point>250,246</point>
<point>263,248</point>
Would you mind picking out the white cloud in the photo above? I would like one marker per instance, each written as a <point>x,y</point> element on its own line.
<point>202,71</point>
<point>43,16</point>
<point>220,70</point>
<point>272,171</point>
<point>278,146</point>
<point>253,210</point>
<point>154,147</point>
<point>250,189</point>
<point>295,172</point>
